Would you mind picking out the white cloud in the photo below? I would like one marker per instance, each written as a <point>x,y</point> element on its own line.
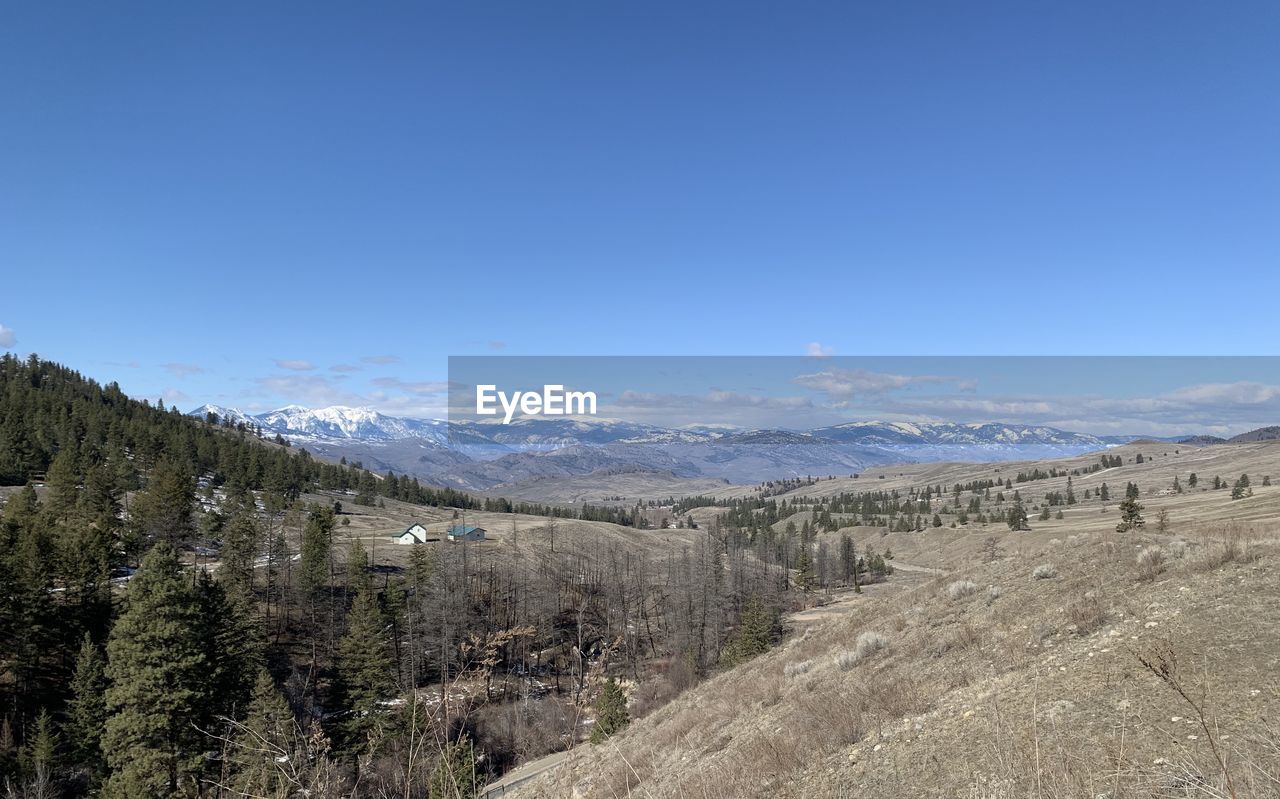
<point>817,350</point>
<point>7,337</point>
<point>294,365</point>
<point>845,384</point>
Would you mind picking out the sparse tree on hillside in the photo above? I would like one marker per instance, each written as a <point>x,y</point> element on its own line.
<point>611,712</point>
<point>1130,515</point>
<point>754,635</point>
<point>1018,517</point>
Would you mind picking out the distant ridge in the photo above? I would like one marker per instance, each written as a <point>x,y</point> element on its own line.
<point>1269,433</point>
<point>1202,441</point>
<point>483,455</point>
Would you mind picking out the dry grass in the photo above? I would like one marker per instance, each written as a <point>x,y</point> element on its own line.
<point>1034,692</point>
<point>1086,614</point>
<point>961,589</point>
<point>1150,563</point>
<point>1045,571</point>
<point>868,644</point>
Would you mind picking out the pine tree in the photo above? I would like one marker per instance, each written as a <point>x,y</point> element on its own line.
<point>365,667</point>
<point>240,544</point>
<point>265,743</point>
<point>165,511</point>
<point>754,636</point>
<point>87,710</point>
<point>317,549</point>
<point>804,578</point>
<point>611,712</point>
<point>155,664</point>
<point>233,644</point>
<point>34,629</point>
<point>1130,515</point>
<point>1018,517</point>
<point>39,759</point>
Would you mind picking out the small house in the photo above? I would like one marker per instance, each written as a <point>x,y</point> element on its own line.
<point>413,534</point>
<point>464,532</point>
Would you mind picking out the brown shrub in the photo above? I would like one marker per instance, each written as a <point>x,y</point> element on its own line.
<point>1086,614</point>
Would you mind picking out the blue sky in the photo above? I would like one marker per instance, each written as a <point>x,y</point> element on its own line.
<point>318,203</point>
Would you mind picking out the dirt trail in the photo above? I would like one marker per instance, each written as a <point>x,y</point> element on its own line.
<point>905,575</point>
<point>512,780</point>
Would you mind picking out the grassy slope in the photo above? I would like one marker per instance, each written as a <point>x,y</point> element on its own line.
<point>1038,691</point>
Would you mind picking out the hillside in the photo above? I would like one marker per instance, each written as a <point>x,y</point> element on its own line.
<point>1017,671</point>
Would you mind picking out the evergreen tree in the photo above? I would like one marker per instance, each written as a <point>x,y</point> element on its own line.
<point>33,644</point>
<point>317,549</point>
<point>165,511</point>
<point>155,664</point>
<point>265,743</point>
<point>611,712</point>
<point>1018,517</point>
<point>804,578</point>
<point>87,710</point>
<point>233,644</point>
<point>365,668</point>
<point>1130,515</point>
<point>754,636</point>
<point>241,540</point>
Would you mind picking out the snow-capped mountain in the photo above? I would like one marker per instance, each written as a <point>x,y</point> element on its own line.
<point>340,422</point>
<point>222,414</point>
<point>482,455</point>
<point>963,441</point>
<point>335,423</point>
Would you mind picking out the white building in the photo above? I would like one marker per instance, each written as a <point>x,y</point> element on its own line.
<point>413,534</point>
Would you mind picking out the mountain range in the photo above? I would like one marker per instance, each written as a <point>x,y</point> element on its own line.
<point>487,455</point>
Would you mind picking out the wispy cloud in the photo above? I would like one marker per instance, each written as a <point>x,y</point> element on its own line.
<point>310,390</point>
<point>183,370</point>
<point>7,337</point>
<point>412,387</point>
<point>294,365</point>
<point>845,384</point>
<point>497,345</point>
<point>1217,408</point>
<point>345,367</point>
<point>390,395</point>
<point>381,359</point>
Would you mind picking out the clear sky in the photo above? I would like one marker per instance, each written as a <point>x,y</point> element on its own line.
<point>261,203</point>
